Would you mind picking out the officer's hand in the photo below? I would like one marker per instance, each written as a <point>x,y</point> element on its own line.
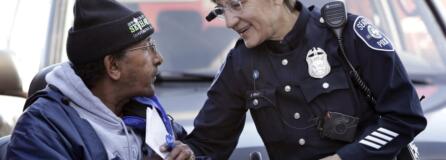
<point>180,152</point>
<point>332,157</point>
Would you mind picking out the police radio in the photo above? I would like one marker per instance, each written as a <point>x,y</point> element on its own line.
<point>336,125</point>
<point>335,16</point>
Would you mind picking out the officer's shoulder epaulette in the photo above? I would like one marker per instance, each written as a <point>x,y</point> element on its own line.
<point>371,35</point>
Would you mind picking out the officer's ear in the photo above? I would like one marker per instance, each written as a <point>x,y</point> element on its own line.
<point>112,67</point>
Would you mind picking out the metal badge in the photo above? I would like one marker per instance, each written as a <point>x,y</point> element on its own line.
<point>318,66</point>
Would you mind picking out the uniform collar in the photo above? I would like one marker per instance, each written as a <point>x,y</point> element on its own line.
<point>294,37</point>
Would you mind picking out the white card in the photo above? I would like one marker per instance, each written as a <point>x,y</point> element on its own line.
<point>155,131</point>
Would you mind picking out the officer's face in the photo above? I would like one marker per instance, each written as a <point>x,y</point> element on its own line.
<point>255,20</point>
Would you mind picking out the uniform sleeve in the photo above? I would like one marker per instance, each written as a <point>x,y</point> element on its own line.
<point>33,138</point>
<point>221,120</point>
<point>400,114</point>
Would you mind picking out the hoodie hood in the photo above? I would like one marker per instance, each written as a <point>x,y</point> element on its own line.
<point>71,85</point>
<point>118,140</point>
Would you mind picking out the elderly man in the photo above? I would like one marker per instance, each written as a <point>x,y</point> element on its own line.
<point>112,59</point>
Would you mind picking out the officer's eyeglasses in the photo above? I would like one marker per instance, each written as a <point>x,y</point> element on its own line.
<point>149,46</point>
<point>233,6</point>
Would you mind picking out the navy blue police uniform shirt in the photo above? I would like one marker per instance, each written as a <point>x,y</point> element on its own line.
<point>287,85</point>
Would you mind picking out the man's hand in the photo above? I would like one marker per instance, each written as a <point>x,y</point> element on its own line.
<point>332,157</point>
<point>180,152</point>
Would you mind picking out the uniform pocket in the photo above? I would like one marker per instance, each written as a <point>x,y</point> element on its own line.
<point>336,80</point>
<point>331,93</point>
<point>258,99</point>
<point>262,105</point>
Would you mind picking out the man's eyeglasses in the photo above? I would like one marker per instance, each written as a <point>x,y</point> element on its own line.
<point>150,46</point>
<point>233,6</point>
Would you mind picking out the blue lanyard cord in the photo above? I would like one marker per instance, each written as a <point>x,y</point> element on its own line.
<point>153,101</point>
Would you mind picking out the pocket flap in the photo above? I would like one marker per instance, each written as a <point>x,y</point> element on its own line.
<point>260,98</point>
<point>313,87</point>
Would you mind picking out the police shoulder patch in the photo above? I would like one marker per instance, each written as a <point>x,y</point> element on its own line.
<point>371,35</point>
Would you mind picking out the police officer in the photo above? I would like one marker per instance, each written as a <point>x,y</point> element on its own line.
<point>287,72</point>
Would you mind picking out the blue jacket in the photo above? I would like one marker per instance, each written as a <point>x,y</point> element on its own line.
<point>51,129</point>
<point>275,82</point>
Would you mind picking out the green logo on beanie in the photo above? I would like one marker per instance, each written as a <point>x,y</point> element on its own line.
<point>138,24</point>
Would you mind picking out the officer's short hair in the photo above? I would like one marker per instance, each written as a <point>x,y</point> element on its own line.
<point>92,72</point>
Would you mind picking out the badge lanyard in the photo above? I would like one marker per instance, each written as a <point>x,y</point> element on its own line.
<point>153,101</point>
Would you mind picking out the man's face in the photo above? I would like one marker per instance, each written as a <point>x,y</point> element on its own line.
<point>255,20</point>
<point>140,66</point>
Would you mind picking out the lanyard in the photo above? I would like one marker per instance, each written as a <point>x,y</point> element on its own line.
<point>153,101</point>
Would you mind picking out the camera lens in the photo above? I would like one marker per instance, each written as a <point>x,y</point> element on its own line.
<point>340,129</point>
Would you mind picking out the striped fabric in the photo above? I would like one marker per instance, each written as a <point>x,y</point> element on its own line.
<point>379,138</point>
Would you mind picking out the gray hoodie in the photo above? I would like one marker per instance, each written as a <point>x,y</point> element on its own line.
<point>119,140</point>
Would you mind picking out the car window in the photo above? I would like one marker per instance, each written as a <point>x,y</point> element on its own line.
<point>23,37</point>
<point>9,113</point>
<point>441,6</point>
<point>181,32</point>
<point>24,33</point>
<point>412,29</point>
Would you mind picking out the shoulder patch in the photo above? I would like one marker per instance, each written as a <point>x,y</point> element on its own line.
<point>371,35</point>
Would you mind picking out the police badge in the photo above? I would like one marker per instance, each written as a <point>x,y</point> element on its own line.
<point>318,66</point>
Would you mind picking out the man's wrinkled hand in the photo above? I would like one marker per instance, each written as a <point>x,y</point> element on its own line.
<point>181,151</point>
<point>332,157</point>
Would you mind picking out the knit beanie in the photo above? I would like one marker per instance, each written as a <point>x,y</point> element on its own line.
<point>102,27</point>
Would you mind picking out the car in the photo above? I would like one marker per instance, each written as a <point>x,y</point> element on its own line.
<point>11,94</point>
<point>21,55</point>
<point>193,51</point>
